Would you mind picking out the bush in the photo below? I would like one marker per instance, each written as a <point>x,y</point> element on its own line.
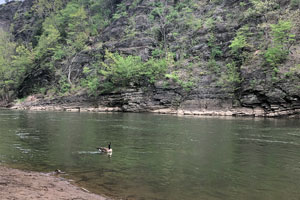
<point>233,75</point>
<point>275,55</point>
<point>215,50</point>
<point>282,39</point>
<point>185,84</point>
<point>281,32</point>
<point>123,71</point>
<point>259,8</point>
<point>240,41</point>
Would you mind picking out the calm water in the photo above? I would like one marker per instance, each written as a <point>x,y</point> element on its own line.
<point>159,157</point>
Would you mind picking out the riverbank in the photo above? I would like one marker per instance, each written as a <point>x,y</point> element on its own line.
<point>192,108</point>
<point>20,185</point>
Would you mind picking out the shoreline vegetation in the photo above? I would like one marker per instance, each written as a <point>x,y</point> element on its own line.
<point>21,185</point>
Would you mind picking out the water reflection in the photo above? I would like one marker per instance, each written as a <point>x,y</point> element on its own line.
<point>159,157</point>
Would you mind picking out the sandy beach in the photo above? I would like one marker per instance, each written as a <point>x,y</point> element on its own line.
<point>22,185</point>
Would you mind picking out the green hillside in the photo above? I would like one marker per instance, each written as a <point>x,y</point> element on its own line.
<point>142,55</point>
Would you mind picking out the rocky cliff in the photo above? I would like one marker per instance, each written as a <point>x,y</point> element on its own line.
<point>211,74</point>
<point>7,13</point>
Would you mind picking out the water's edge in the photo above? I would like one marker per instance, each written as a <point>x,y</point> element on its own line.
<point>51,185</point>
<point>239,111</point>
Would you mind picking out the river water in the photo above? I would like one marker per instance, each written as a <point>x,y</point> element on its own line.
<point>159,157</point>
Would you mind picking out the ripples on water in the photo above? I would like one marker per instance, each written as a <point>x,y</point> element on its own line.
<point>159,157</point>
<point>269,141</point>
<point>88,152</point>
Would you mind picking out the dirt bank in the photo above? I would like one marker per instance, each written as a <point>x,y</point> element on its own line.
<point>20,185</point>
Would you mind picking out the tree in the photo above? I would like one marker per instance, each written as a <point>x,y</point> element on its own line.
<point>6,52</point>
<point>46,7</point>
<point>282,39</point>
<point>15,60</point>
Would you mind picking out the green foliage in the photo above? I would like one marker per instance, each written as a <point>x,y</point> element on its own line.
<point>194,23</point>
<point>99,15</point>
<point>92,80</point>
<point>210,23</point>
<point>165,16</point>
<point>74,27</point>
<point>189,17</point>
<point>156,68</point>
<point>216,1</point>
<point>259,8</point>
<point>28,15</point>
<point>119,15</point>
<point>185,84</point>
<point>230,78</point>
<point>185,16</point>
<point>158,53</point>
<point>48,41</point>
<point>15,60</point>
<point>275,55</point>
<point>46,7</point>
<point>293,72</point>
<point>130,70</point>
<point>281,32</point>
<point>232,74</point>
<point>121,11</point>
<point>65,33</point>
<point>122,71</point>
<point>213,65</point>
<point>240,41</point>
<point>23,59</point>
<point>278,51</point>
<point>296,69</point>
<point>66,28</point>
<point>214,48</point>
<point>63,85</point>
<point>243,4</point>
<point>168,18</point>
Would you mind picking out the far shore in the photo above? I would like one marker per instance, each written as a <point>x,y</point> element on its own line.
<point>22,185</point>
<point>235,112</point>
<point>76,104</point>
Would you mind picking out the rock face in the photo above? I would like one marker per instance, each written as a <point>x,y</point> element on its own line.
<point>213,27</point>
<point>7,13</point>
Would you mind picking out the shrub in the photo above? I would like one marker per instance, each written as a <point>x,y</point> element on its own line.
<point>185,84</point>
<point>123,71</point>
<point>259,8</point>
<point>281,41</point>
<point>281,32</point>
<point>275,55</point>
<point>214,48</point>
<point>240,41</point>
<point>233,75</point>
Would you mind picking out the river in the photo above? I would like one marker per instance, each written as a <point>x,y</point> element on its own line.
<point>159,157</point>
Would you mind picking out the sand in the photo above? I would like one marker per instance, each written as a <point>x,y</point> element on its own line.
<point>22,185</point>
